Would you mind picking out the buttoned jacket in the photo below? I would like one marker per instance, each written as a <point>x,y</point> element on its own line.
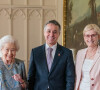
<point>61,75</point>
<point>94,72</point>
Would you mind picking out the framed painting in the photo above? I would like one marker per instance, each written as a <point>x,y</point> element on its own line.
<point>76,15</point>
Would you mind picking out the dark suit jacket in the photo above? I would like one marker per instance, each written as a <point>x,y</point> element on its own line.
<point>61,75</point>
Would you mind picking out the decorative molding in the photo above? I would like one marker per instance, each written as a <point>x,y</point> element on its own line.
<point>18,12</point>
<point>27,11</point>
<point>50,14</point>
<point>5,12</point>
<point>34,12</point>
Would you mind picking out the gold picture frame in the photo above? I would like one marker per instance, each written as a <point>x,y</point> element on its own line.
<point>64,21</point>
<point>76,15</point>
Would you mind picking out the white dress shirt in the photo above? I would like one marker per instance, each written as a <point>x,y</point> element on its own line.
<point>54,49</point>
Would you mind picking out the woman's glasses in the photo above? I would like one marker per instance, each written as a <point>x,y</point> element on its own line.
<point>92,35</point>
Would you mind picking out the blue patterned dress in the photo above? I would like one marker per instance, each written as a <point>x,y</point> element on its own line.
<point>6,80</point>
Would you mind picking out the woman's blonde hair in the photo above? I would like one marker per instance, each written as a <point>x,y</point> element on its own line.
<point>91,27</point>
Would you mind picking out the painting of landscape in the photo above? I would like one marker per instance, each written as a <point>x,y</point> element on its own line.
<point>80,13</point>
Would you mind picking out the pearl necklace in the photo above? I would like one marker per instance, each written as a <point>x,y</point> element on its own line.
<point>8,67</point>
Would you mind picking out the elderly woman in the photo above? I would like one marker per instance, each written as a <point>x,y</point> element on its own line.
<point>88,60</point>
<point>12,70</point>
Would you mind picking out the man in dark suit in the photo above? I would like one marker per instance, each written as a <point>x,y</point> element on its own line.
<point>59,73</point>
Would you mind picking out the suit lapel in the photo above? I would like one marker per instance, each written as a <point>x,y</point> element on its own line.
<point>57,56</point>
<point>97,55</point>
<point>82,59</point>
<point>43,60</point>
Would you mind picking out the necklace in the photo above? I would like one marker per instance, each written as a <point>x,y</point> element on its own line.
<point>91,54</point>
<point>8,66</point>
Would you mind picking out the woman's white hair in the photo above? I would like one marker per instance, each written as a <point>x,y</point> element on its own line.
<point>92,27</point>
<point>8,39</point>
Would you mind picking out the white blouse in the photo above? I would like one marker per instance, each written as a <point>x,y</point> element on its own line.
<point>85,82</point>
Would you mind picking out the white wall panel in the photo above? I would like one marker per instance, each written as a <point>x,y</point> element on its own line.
<point>34,29</point>
<point>19,2</point>
<point>18,31</point>
<point>34,2</point>
<point>25,19</point>
<point>49,3</point>
<point>5,2</point>
<point>4,22</point>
